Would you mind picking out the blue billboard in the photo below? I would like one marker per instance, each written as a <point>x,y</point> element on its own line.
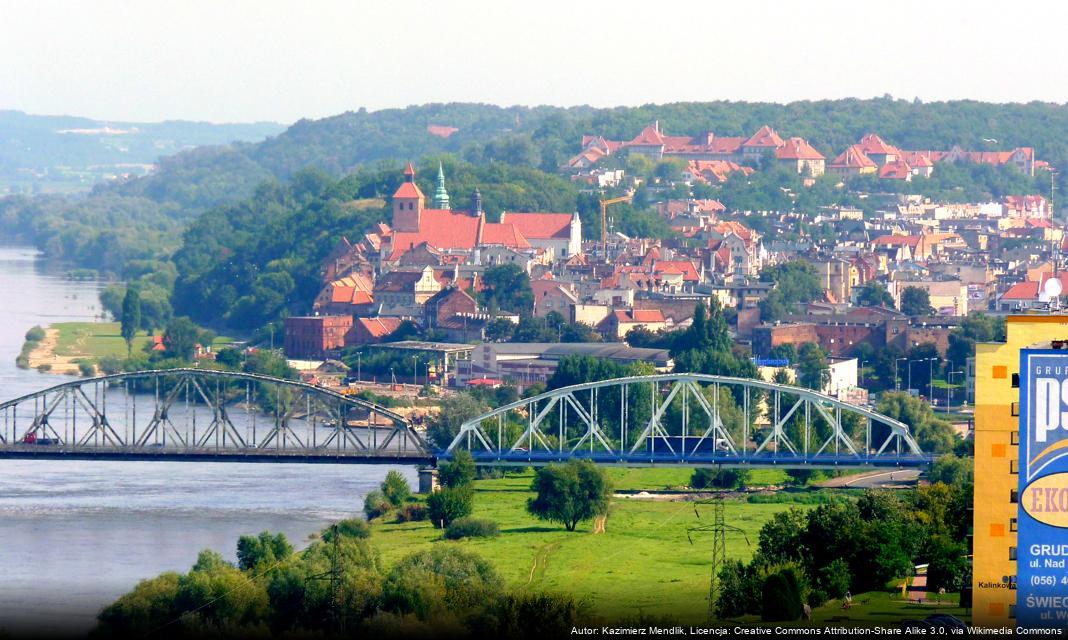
<point>1042,521</point>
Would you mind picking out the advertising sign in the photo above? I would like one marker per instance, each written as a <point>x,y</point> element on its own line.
<point>1042,542</point>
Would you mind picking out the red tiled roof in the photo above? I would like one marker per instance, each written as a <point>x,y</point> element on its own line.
<point>1022,291</point>
<point>873,144</point>
<point>408,190</point>
<point>797,149</point>
<point>897,170</point>
<point>540,226</point>
<point>648,137</point>
<point>911,241</point>
<point>506,234</point>
<point>379,327</point>
<point>852,158</point>
<point>439,228</point>
<point>638,315</point>
<point>686,267</point>
<point>764,137</point>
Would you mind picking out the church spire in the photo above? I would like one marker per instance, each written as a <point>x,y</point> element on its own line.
<point>441,196</point>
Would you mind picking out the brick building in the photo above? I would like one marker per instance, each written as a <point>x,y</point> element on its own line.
<point>316,336</point>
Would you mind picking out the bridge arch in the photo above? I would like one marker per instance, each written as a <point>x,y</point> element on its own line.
<point>688,418</point>
<point>200,410</point>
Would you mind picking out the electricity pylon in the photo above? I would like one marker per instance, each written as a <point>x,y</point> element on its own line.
<point>719,529</point>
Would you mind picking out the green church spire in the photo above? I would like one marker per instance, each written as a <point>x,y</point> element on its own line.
<point>441,196</point>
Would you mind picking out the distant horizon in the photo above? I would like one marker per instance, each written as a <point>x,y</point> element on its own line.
<point>525,106</point>
<point>279,61</point>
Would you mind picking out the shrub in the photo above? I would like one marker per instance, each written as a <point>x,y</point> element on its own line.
<point>412,512</point>
<point>44,367</point>
<point>781,597</point>
<point>570,493</point>
<point>396,488</point>
<point>348,528</point>
<point>739,590</point>
<point>110,365</point>
<point>438,580</point>
<point>719,478</point>
<point>490,473</point>
<point>835,578</point>
<point>87,369</point>
<point>471,528</point>
<point>458,472</point>
<point>36,334</point>
<point>449,504</point>
<point>376,505</point>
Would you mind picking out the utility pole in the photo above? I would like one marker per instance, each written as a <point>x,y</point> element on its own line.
<point>719,529</point>
<point>333,574</point>
<point>604,219</point>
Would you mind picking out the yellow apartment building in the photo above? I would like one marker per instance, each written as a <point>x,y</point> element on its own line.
<point>997,432</point>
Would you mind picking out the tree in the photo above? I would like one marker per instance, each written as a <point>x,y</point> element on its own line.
<point>781,597</point>
<point>131,317</point>
<point>455,410</point>
<point>874,294</point>
<point>263,550</point>
<point>977,327</point>
<point>458,472</point>
<point>570,493</point>
<point>947,565</point>
<point>916,301</point>
<point>448,504</point>
<point>180,338</point>
<point>440,579</point>
<point>508,287</point>
<point>785,351</point>
<point>812,369</point>
<point>933,434</point>
<point>739,591</point>
<point>719,477</point>
<point>952,470</point>
<point>396,488</point>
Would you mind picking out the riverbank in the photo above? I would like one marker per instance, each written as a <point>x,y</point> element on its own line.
<point>66,345</point>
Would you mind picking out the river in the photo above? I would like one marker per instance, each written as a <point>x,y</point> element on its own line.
<point>76,535</point>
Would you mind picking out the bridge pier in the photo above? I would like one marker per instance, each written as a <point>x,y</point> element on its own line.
<point>428,480</point>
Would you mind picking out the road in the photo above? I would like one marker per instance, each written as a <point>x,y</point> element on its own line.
<point>897,479</point>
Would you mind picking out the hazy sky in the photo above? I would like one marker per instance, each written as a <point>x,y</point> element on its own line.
<point>267,60</point>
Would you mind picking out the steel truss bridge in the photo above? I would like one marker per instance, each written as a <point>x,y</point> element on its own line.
<point>200,414</point>
<point>692,420</point>
<point>672,419</point>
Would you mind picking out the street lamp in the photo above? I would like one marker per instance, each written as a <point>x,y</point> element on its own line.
<point>949,379</point>
<point>862,363</point>
<point>897,378</point>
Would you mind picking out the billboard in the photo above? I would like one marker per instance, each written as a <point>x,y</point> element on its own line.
<point>1042,521</point>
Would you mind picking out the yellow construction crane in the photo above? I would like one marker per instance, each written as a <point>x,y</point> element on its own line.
<point>604,218</point>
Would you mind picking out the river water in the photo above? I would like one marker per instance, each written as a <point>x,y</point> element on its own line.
<point>76,535</point>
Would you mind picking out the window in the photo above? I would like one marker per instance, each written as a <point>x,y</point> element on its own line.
<point>1014,466</point>
<point>1012,553</point>
<point>1015,381</point>
<point>1012,524</point>
<point>1014,496</point>
<point>1012,611</point>
<point>1014,438</point>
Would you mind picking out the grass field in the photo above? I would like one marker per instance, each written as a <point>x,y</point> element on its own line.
<point>95,340</point>
<point>643,565</point>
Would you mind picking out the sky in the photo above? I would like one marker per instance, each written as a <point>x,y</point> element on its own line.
<point>242,61</point>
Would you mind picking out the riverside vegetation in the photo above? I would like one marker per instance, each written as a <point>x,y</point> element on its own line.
<point>502,570</point>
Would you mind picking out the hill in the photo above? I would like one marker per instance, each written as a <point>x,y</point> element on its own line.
<point>44,154</point>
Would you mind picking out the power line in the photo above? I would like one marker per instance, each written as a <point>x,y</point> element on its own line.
<point>719,529</point>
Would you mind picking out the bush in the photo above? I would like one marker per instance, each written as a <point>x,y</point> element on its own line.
<point>438,580</point>
<point>396,488</point>
<point>458,472</point>
<point>739,590</point>
<point>449,504</point>
<point>35,334</point>
<point>720,478</point>
<point>376,505</point>
<point>44,367</point>
<point>471,528</point>
<point>781,597</point>
<point>412,512</point>
<point>490,473</point>
<point>348,528</point>
<point>87,369</point>
<point>110,365</point>
<point>835,578</point>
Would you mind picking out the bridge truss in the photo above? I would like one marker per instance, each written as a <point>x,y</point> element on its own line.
<point>204,414</point>
<point>688,419</point>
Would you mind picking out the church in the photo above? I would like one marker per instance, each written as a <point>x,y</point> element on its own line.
<point>463,236</point>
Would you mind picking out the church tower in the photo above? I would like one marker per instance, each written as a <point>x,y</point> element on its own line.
<point>441,196</point>
<point>408,203</point>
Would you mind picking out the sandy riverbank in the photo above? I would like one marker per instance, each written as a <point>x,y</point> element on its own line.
<point>45,353</point>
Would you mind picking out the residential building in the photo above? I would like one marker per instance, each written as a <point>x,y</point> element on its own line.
<point>315,336</point>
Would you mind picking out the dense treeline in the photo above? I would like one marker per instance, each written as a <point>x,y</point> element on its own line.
<point>542,138</point>
<point>247,264</point>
